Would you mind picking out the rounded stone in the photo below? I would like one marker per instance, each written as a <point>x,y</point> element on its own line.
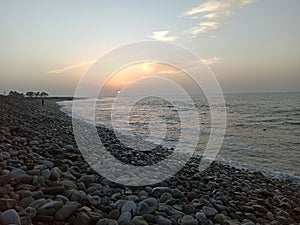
<point>124,218</point>
<point>30,211</point>
<point>94,200</point>
<point>188,220</point>
<point>220,218</point>
<point>7,204</point>
<point>201,217</point>
<point>209,211</point>
<point>5,155</point>
<point>165,197</point>
<point>160,220</point>
<point>16,173</point>
<point>106,221</point>
<point>26,201</point>
<point>139,220</point>
<point>114,214</point>
<point>65,211</point>
<point>82,219</point>
<point>148,205</point>
<point>46,174</point>
<point>49,208</point>
<point>87,179</point>
<point>130,207</point>
<point>10,216</point>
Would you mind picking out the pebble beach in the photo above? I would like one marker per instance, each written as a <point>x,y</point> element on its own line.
<point>45,180</point>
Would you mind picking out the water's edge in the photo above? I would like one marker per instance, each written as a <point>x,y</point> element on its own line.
<point>269,174</point>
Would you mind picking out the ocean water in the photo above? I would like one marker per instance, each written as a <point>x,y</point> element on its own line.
<point>262,132</point>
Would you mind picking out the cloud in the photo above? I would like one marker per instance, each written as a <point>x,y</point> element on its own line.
<point>163,36</point>
<point>59,71</point>
<point>212,60</point>
<point>163,69</point>
<point>213,12</point>
<point>209,7</point>
<point>204,27</point>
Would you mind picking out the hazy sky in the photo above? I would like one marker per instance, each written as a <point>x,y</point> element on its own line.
<point>250,45</point>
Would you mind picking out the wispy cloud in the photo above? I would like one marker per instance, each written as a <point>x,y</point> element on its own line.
<point>163,69</point>
<point>163,36</point>
<point>213,12</point>
<point>212,60</point>
<point>204,27</point>
<point>78,65</point>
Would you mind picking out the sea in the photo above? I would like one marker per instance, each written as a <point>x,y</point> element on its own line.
<point>262,129</point>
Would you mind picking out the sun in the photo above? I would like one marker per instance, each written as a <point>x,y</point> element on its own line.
<point>118,92</point>
<point>147,67</point>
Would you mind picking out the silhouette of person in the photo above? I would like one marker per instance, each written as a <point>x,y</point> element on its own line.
<point>43,101</point>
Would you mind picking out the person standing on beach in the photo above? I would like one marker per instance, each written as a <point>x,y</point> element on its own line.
<point>43,101</point>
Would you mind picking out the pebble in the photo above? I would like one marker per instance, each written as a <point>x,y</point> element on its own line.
<point>94,200</point>
<point>139,220</point>
<point>220,218</point>
<point>148,205</point>
<point>68,184</point>
<point>69,147</point>
<point>201,217</point>
<point>260,208</point>
<point>250,216</point>
<point>248,223</point>
<point>65,211</point>
<point>26,201</point>
<point>106,221</point>
<point>47,163</point>
<point>5,155</point>
<point>82,219</point>
<point>192,195</point>
<point>49,208</point>
<point>34,143</point>
<point>209,211</point>
<point>54,190</point>
<point>265,193</point>
<point>130,207</point>
<point>62,197</point>
<point>4,179</point>
<point>7,204</point>
<point>38,203</point>
<point>125,218</point>
<point>26,220</point>
<point>87,179</point>
<point>55,173</point>
<point>160,220</point>
<point>188,220</point>
<point>16,173</point>
<point>165,197</point>
<point>30,211</point>
<point>158,191</point>
<point>10,217</point>
<point>114,214</point>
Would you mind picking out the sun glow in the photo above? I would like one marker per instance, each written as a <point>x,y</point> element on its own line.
<point>147,67</point>
<point>133,73</point>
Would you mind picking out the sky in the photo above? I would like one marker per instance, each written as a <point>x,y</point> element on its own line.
<point>250,45</point>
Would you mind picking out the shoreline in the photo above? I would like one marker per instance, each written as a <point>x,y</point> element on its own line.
<point>271,174</point>
<point>45,180</point>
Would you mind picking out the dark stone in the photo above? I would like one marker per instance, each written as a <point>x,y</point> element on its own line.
<point>65,211</point>
<point>10,216</point>
<point>82,219</point>
<point>148,205</point>
<point>54,190</point>
<point>209,211</point>
<point>7,204</point>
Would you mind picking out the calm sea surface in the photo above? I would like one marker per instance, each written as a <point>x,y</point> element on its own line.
<point>263,130</point>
